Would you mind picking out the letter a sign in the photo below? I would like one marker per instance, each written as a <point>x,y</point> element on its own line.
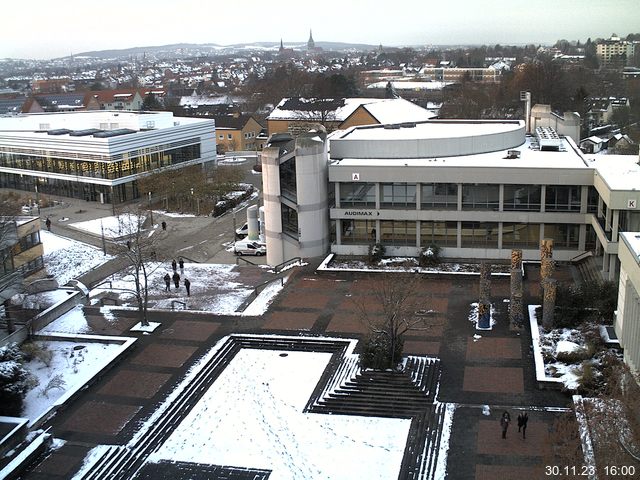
<point>355,177</point>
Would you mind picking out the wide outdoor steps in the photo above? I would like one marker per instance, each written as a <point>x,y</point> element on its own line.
<point>384,393</point>
<point>423,445</point>
<point>588,269</point>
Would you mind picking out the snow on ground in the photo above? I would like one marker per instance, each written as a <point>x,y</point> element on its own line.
<point>113,226</point>
<point>75,363</point>
<point>71,322</point>
<point>67,259</point>
<point>215,288</point>
<point>252,416</point>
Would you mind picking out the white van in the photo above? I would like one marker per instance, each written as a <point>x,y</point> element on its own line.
<point>249,247</point>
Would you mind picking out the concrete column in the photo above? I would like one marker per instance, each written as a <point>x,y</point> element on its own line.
<point>484,302</point>
<point>253,223</point>
<point>459,200</point>
<point>501,198</point>
<point>500,235</point>
<point>271,198</point>
<point>615,220</point>
<point>582,238</point>
<point>584,197</point>
<point>613,264</point>
<point>377,189</point>
<point>336,194</point>
<point>543,198</point>
<point>338,232</point>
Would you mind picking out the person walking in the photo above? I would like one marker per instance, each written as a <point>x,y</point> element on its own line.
<point>176,279</point>
<point>181,263</point>
<point>164,225</point>
<point>174,265</point>
<point>48,223</point>
<point>523,418</point>
<point>187,285</point>
<point>167,282</point>
<point>505,420</point>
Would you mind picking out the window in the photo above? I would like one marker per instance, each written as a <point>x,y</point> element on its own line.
<point>443,234</point>
<point>522,197</point>
<point>562,198</point>
<point>289,221</point>
<point>395,232</point>
<point>398,195</point>
<point>480,197</point>
<point>288,187</point>
<point>520,235</point>
<point>229,136</point>
<point>221,137</point>
<point>592,200</point>
<point>479,235</point>
<point>358,195</point>
<point>565,236</point>
<point>358,231</point>
<point>439,195</point>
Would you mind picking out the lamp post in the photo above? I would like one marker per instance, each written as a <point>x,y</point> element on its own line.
<point>150,210</point>
<point>37,197</point>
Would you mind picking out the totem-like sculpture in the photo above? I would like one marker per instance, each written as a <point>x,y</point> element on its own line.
<point>549,285</point>
<point>516,315</point>
<point>484,303</point>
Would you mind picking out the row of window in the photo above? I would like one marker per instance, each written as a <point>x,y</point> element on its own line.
<point>472,234</point>
<point>559,198</point>
<point>109,170</point>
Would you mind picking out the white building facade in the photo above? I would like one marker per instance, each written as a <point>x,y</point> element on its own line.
<point>98,155</point>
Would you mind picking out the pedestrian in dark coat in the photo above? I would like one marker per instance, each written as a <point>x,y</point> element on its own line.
<point>164,225</point>
<point>505,420</point>
<point>187,285</point>
<point>174,265</point>
<point>523,418</point>
<point>176,279</point>
<point>181,263</point>
<point>128,244</point>
<point>167,282</point>
<point>48,224</point>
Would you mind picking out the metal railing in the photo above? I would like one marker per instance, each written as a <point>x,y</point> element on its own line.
<point>292,261</point>
<point>173,305</point>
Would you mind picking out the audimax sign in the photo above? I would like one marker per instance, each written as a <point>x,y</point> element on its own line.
<point>361,213</point>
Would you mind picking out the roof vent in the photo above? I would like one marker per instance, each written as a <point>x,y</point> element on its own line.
<point>511,154</point>
<point>408,125</point>
<point>392,126</point>
<point>548,139</point>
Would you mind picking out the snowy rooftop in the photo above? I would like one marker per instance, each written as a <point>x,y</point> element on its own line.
<point>632,239</point>
<point>619,172</point>
<point>530,157</point>
<point>384,110</point>
<point>400,85</point>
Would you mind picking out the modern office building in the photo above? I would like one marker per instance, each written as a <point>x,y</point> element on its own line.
<point>98,155</point>
<point>627,324</point>
<point>475,188</point>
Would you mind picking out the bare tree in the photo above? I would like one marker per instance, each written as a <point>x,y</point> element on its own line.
<point>11,280</point>
<point>137,245</point>
<point>394,307</point>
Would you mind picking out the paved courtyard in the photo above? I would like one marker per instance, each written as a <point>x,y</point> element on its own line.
<point>495,369</point>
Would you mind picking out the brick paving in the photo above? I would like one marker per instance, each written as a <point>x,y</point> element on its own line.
<point>496,370</point>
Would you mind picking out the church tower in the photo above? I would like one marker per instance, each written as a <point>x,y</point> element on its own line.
<point>311,45</point>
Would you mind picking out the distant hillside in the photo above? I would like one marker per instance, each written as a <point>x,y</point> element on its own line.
<point>215,48</point>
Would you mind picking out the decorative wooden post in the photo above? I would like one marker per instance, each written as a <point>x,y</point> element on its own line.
<point>484,302</point>
<point>516,315</point>
<point>549,285</point>
<point>549,304</point>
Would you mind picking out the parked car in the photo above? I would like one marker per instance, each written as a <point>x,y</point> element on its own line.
<point>243,231</point>
<point>246,247</point>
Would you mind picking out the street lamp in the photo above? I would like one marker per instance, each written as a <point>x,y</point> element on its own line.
<point>150,211</point>
<point>37,197</point>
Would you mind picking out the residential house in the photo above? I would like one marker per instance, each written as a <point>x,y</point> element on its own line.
<point>120,99</point>
<point>295,115</point>
<point>60,102</point>
<point>237,133</point>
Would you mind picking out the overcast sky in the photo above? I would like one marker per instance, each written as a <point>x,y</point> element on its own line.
<point>49,29</point>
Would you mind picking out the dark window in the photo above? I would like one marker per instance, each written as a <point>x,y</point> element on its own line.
<point>439,195</point>
<point>480,197</point>
<point>522,197</point>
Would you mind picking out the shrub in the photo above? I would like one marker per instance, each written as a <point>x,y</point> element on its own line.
<point>55,382</point>
<point>376,253</point>
<point>376,352</point>
<point>589,380</point>
<point>33,351</point>
<point>430,256</point>
<point>14,380</point>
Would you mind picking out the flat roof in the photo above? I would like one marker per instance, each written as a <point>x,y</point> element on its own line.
<point>620,172</point>
<point>529,157</point>
<point>431,130</point>
<point>633,241</point>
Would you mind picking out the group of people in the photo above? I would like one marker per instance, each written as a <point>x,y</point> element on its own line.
<point>505,420</point>
<point>176,277</point>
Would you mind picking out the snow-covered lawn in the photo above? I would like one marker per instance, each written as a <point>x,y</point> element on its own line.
<point>72,364</point>
<point>252,416</point>
<point>113,226</point>
<point>214,287</point>
<point>67,259</point>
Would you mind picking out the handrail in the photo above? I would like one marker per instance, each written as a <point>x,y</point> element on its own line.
<point>173,304</point>
<point>246,261</point>
<point>278,268</point>
<point>256,291</point>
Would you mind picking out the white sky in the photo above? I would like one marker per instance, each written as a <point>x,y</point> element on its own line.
<point>46,29</point>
